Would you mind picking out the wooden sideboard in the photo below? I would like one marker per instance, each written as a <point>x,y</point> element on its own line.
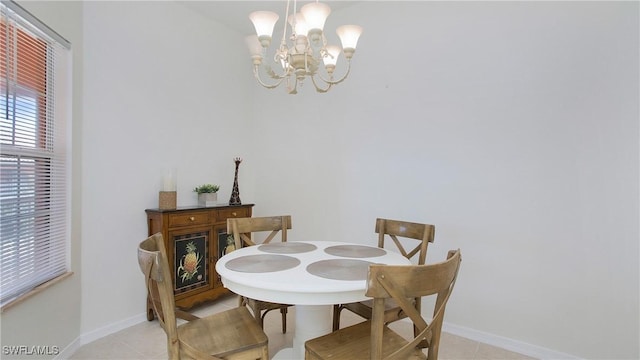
<point>195,238</point>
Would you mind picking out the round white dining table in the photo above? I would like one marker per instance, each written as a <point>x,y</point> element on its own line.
<point>312,275</point>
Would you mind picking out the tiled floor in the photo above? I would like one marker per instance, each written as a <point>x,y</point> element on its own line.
<point>148,341</point>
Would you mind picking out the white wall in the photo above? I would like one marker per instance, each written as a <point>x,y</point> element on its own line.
<point>159,93</point>
<point>511,126</point>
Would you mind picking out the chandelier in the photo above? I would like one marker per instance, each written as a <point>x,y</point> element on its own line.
<point>307,48</point>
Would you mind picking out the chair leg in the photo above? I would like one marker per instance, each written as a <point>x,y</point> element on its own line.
<point>336,316</point>
<point>283,311</point>
<point>256,314</point>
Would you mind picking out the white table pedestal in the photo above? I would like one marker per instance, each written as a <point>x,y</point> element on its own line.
<point>311,321</point>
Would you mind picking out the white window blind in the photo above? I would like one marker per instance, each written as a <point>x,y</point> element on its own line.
<point>33,161</point>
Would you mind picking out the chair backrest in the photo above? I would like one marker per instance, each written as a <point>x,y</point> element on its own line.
<point>412,281</point>
<point>243,228</point>
<point>152,259</point>
<point>424,233</point>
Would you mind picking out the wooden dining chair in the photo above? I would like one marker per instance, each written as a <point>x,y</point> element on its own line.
<point>373,339</point>
<point>418,238</point>
<point>230,334</point>
<point>244,231</point>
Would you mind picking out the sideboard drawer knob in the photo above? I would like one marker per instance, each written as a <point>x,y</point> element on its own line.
<point>234,213</point>
<point>192,218</point>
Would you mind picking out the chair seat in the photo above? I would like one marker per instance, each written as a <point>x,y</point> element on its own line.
<point>354,342</point>
<point>229,332</point>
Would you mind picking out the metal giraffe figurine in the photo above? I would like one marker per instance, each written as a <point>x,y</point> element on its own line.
<point>235,193</point>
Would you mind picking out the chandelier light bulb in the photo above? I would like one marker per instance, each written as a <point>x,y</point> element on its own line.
<point>263,22</point>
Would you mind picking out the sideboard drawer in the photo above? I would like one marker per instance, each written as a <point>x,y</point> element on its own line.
<point>194,218</point>
<point>233,213</point>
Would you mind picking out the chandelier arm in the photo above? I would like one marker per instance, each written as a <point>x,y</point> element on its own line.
<point>273,74</point>
<point>256,74</point>
<point>335,82</point>
<point>318,88</point>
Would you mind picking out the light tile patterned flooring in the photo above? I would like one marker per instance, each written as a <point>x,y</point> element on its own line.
<point>148,341</point>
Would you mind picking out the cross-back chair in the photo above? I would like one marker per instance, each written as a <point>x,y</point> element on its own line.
<point>244,231</point>
<point>418,238</point>
<point>231,334</point>
<point>373,339</point>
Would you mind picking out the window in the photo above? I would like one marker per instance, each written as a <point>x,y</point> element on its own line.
<point>34,224</point>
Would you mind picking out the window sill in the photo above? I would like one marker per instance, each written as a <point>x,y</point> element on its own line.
<point>38,289</point>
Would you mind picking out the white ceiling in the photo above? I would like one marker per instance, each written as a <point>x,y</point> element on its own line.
<point>235,14</point>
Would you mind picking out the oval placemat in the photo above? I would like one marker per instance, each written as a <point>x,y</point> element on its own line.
<point>340,269</point>
<point>262,263</point>
<point>287,248</point>
<point>355,251</point>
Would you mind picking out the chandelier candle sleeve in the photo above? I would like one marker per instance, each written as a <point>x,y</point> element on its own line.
<point>300,54</point>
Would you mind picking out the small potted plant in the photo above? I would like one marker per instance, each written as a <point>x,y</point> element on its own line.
<point>207,194</point>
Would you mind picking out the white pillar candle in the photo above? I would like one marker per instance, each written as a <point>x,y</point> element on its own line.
<point>169,180</point>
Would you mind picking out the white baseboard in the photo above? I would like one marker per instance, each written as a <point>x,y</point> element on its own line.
<point>520,347</point>
<point>111,328</point>
<point>91,336</point>
<point>68,351</point>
